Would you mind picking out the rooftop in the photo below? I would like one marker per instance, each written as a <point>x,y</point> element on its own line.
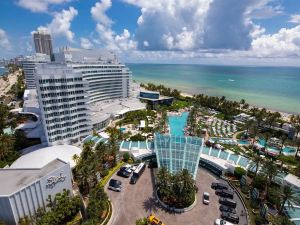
<point>40,157</point>
<point>18,178</point>
<point>101,111</point>
<point>292,179</point>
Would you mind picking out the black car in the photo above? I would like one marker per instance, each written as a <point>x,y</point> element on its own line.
<point>224,208</point>
<point>123,173</point>
<point>227,202</point>
<point>219,186</point>
<point>115,185</point>
<point>230,217</point>
<point>225,193</point>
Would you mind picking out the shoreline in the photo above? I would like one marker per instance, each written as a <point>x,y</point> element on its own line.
<point>285,115</point>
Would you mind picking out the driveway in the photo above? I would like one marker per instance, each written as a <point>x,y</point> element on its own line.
<point>136,201</point>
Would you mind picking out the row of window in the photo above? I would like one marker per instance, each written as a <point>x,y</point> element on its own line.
<point>68,130</point>
<point>60,80</point>
<point>51,101</point>
<point>98,66</point>
<point>62,94</point>
<point>65,106</point>
<point>60,138</point>
<point>101,71</point>
<point>61,87</point>
<point>67,124</point>
<point>63,113</point>
<point>65,118</point>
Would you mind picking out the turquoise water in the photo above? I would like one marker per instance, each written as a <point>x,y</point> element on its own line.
<point>286,150</point>
<point>177,124</point>
<point>294,214</point>
<point>271,87</point>
<point>2,70</point>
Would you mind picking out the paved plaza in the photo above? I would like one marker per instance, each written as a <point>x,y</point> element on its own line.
<point>137,201</point>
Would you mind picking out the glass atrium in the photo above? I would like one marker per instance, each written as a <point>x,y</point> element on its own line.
<point>178,152</point>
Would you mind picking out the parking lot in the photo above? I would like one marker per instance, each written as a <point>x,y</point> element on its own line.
<point>137,201</point>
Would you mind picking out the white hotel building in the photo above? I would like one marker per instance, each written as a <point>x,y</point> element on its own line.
<point>29,64</point>
<point>24,190</point>
<point>107,77</point>
<point>63,100</point>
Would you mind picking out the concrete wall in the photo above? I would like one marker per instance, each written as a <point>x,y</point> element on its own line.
<point>28,200</point>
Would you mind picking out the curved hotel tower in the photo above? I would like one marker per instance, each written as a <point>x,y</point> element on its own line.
<point>63,99</point>
<point>107,77</point>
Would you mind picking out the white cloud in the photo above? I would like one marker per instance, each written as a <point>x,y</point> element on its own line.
<point>284,43</point>
<point>107,37</point>
<point>39,5</point>
<point>61,24</point>
<point>295,18</point>
<point>86,43</point>
<point>99,12</point>
<point>200,24</point>
<point>4,42</point>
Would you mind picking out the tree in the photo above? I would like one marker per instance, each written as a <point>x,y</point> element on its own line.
<point>288,196</point>
<point>97,204</point>
<point>63,208</point>
<point>256,161</point>
<point>126,157</point>
<point>239,172</point>
<point>270,171</point>
<point>142,221</point>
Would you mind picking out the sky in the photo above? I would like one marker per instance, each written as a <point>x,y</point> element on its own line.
<point>236,32</point>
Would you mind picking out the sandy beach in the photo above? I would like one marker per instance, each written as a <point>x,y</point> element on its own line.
<point>5,84</point>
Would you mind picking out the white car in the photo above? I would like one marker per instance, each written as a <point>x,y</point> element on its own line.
<point>128,168</point>
<point>206,198</point>
<point>222,222</point>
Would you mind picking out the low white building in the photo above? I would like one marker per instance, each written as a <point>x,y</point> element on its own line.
<point>24,190</point>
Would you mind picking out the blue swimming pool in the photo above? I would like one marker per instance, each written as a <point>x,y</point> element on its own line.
<point>178,123</point>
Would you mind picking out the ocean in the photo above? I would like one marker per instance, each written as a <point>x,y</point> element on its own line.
<point>2,70</point>
<point>276,88</point>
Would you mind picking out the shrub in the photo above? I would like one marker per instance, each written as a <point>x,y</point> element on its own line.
<point>104,173</point>
<point>254,204</point>
<point>126,157</point>
<point>259,220</point>
<point>259,182</point>
<point>245,189</point>
<point>142,221</point>
<point>239,172</point>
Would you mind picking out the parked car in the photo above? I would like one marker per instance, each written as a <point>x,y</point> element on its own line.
<point>128,168</point>
<point>222,222</point>
<point>225,193</point>
<point>154,220</point>
<point>224,208</point>
<point>218,185</point>
<point>227,202</point>
<point>206,198</point>
<point>123,173</point>
<point>233,218</point>
<point>115,185</point>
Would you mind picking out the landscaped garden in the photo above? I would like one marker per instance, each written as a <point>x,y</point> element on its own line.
<point>175,190</point>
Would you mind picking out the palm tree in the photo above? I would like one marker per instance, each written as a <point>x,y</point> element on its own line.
<point>75,158</point>
<point>164,184</point>
<point>288,197</point>
<point>270,170</point>
<point>256,161</point>
<point>283,139</point>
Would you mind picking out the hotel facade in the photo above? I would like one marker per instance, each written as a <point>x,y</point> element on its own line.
<point>26,190</point>
<point>29,64</point>
<point>63,100</point>
<point>106,76</point>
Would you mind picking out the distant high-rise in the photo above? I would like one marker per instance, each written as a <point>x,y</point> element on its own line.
<point>43,43</point>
